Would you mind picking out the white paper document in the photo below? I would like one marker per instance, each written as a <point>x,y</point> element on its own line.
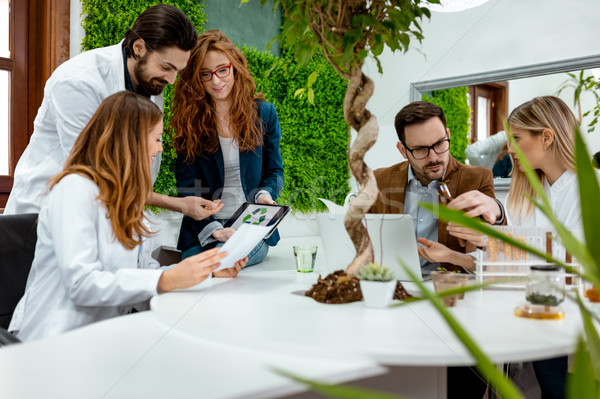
<point>239,245</point>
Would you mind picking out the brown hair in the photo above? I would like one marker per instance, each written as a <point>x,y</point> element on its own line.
<point>535,116</point>
<point>161,26</point>
<point>112,151</point>
<point>193,116</point>
<point>415,113</point>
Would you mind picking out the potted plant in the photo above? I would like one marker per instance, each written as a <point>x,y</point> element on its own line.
<point>377,285</point>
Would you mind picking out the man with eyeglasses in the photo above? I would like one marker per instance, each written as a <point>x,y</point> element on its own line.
<point>425,144</point>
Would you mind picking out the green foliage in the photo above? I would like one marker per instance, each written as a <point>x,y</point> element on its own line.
<point>346,32</point>
<point>375,272</point>
<point>314,139</point>
<point>107,21</point>
<point>457,110</point>
<point>105,24</point>
<point>581,84</point>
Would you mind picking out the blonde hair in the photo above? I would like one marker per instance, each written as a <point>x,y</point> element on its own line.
<point>112,151</point>
<point>193,118</point>
<point>535,116</point>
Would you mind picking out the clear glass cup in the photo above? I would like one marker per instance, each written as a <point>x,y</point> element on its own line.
<point>305,257</point>
<point>545,286</point>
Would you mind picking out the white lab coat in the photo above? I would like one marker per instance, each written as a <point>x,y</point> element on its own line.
<point>564,199</point>
<point>71,96</point>
<point>485,152</point>
<point>80,273</point>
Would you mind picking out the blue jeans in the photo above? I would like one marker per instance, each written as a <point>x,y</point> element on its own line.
<point>255,256</point>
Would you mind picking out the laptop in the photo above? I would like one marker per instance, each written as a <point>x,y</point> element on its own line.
<point>392,236</point>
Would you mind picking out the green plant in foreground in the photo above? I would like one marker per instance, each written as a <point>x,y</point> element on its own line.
<point>375,272</point>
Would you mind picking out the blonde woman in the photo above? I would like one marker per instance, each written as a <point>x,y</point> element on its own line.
<point>92,260</point>
<point>544,129</point>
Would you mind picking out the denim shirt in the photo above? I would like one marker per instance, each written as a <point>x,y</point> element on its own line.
<point>425,222</point>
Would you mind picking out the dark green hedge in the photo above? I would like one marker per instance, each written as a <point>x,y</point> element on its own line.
<point>457,110</point>
<point>315,138</point>
<point>314,142</point>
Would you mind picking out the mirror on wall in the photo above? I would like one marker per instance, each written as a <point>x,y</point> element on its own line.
<point>493,94</point>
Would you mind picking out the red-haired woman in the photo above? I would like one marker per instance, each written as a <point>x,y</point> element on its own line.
<point>227,142</point>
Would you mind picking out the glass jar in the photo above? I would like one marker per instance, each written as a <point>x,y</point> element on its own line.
<point>545,286</point>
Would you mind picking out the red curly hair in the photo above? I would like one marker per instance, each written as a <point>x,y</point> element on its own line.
<point>193,116</point>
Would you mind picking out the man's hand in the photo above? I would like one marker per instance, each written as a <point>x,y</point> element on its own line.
<point>232,271</point>
<point>223,234</point>
<point>465,234</point>
<point>475,204</point>
<point>265,200</point>
<point>198,207</point>
<point>433,251</point>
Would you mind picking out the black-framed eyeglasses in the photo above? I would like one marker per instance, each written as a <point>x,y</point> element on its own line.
<point>422,152</point>
<point>222,72</point>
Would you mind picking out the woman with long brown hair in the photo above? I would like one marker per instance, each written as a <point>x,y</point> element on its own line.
<point>227,142</point>
<point>92,255</point>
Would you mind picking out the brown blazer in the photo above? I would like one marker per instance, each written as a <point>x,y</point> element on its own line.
<point>460,179</point>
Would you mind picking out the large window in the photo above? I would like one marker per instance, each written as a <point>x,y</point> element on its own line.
<point>34,40</point>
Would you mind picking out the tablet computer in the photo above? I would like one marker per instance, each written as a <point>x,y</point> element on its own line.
<point>258,214</point>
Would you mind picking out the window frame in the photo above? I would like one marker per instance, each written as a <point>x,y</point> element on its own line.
<point>39,42</point>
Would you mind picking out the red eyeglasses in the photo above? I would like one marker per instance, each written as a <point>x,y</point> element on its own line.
<point>222,72</point>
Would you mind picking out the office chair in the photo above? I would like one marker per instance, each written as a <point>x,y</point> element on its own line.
<point>18,235</point>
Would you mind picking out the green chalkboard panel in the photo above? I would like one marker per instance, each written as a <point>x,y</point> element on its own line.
<point>245,24</point>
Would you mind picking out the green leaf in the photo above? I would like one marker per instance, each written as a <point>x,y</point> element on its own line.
<point>338,391</point>
<point>311,96</point>
<point>581,383</point>
<point>591,338</point>
<point>312,78</point>
<point>502,385</point>
<point>299,92</point>
<point>589,193</point>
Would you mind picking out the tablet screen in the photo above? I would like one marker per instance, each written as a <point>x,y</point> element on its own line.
<point>257,214</point>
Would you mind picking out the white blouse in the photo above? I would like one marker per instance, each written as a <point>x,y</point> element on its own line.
<point>80,273</point>
<point>564,199</point>
<point>233,194</point>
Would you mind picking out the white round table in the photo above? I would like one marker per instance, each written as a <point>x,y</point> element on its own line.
<point>262,309</point>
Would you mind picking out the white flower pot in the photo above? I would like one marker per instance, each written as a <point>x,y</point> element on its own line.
<point>377,294</point>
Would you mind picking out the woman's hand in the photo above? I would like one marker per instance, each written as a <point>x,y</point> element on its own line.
<point>190,271</point>
<point>265,200</point>
<point>466,234</point>
<point>232,271</point>
<point>198,207</point>
<point>223,234</point>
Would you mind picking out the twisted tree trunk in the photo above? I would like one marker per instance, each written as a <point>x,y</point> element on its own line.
<point>360,89</point>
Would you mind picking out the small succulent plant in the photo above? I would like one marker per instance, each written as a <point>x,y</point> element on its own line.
<point>375,272</point>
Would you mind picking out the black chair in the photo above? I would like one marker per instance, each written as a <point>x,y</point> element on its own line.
<point>18,235</point>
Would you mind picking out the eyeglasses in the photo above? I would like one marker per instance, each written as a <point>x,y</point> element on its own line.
<point>423,152</point>
<point>222,72</point>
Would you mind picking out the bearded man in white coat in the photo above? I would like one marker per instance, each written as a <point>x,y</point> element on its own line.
<point>153,51</point>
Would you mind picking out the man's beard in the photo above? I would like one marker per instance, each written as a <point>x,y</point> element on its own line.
<point>147,87</point>
<point>429,175</point>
